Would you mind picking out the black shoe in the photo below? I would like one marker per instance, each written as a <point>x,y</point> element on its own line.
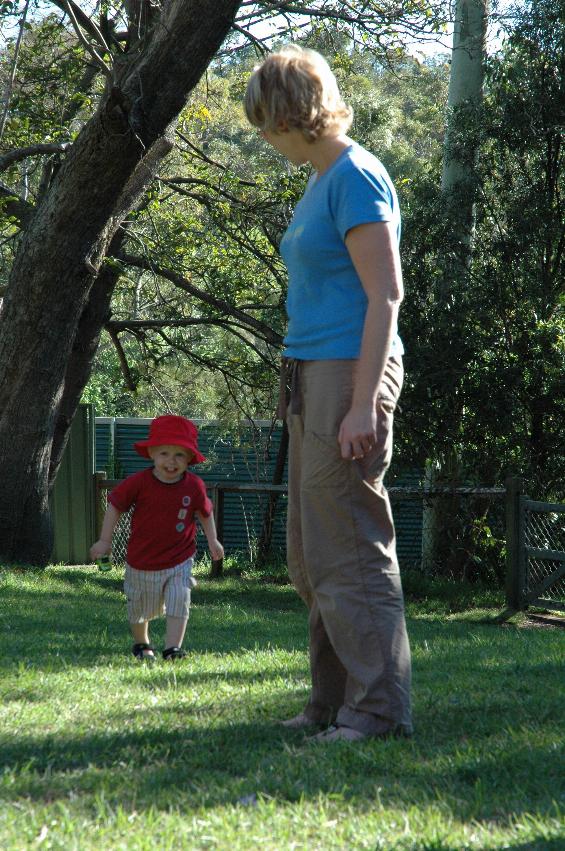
<point>143,652</point>
<point>173,653</point>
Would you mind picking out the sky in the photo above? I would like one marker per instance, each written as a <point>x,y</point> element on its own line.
<point>420,49</point>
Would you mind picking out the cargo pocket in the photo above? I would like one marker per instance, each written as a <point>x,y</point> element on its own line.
<point>375,464</point>
<point>322,464</point>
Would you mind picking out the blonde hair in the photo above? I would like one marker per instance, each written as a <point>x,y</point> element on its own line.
<point>296,88</point>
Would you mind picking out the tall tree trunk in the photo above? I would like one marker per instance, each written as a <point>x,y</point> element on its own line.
<point>442,524</point>
<point>61,252</point>
<point>266,536</point>
<point>94,317</point>
<point>465,81</point>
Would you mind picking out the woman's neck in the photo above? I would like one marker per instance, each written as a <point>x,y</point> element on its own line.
<point>325,151</point>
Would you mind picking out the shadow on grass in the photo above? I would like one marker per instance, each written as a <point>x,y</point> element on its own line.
<point>209,591</point>
<point>486,744</point>
<point>224,763</point>
<point>541,845</point>
<point>84,620</point>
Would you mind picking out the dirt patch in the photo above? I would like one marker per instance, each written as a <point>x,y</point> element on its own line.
<point>542,620</point>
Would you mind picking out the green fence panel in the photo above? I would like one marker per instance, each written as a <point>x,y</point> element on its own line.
<point>72,499</point>
<point>104,445</point>
<point>245,454</point>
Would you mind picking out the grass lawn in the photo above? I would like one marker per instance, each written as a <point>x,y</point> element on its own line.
<point>99,751</point>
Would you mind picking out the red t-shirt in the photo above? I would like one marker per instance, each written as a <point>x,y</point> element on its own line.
<point>163,528</point>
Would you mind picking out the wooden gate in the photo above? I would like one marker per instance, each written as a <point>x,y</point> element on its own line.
<point>535,551</point>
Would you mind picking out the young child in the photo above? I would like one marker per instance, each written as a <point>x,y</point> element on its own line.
<point>166,498</point>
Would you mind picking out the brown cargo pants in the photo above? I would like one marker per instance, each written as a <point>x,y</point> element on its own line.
<point>342,555</point>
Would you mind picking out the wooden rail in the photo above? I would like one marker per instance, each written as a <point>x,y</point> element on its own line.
<point>218,490</point>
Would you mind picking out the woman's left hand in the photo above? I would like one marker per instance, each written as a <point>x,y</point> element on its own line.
<point>358,433</point>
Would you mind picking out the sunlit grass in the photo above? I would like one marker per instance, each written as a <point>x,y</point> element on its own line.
<point>98,751</point>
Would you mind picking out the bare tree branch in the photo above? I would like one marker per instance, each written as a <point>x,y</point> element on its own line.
<point>81,21</point>
<point>135,325</point>
<point>224,307</point>
<point>12,76</point>
<point>19,154</point>
<point>259,43</point>
<point>195,181</point>
<point>14,205</point>
<point>386,23</point>
<point>268,261</point>
<point>201,155</point>
<point>130,383</point>
<point>210,364</point>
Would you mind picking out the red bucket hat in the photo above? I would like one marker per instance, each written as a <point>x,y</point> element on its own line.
<point>170,430</point>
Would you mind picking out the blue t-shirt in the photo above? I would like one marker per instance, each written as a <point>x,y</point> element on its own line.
<point>326,302</point>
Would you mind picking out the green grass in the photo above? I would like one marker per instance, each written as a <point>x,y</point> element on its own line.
<point>98,751</point>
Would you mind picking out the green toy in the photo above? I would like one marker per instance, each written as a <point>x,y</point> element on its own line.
<point>104,563</point>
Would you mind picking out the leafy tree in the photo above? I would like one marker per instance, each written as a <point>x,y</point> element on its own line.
<point>48,305</point>
<point>522,229</point>
<point>219,225</point>
<point>485,354</point>
<point>149,56</point>
<point>459,187</point>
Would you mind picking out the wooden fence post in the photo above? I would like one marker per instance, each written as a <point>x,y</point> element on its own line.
<point>266,536</point>
<point>99,509</point>
<point>218,500</point>
<point>514,544</point>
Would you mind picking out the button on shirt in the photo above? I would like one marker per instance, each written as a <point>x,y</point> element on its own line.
<point>163,526</point>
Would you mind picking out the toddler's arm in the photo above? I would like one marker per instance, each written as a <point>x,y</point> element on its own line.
<point>103,546</point>
<point>209,526</point>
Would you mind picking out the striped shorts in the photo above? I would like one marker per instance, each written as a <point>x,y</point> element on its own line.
<point>151,593</point>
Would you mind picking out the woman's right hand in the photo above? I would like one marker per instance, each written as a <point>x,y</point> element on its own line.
<point>358,433</point>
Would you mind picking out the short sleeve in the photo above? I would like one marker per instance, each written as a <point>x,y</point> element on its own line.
<point>202,503</point>
<point>359,197</point>
<point>123,496</point>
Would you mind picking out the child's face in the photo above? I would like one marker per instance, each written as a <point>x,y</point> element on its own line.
<point>170,462</point>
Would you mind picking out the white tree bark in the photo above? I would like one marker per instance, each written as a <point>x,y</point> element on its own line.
<point>441,524</point>
<point>466,77</point>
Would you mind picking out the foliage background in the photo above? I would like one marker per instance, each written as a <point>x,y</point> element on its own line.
<point>484,360</point>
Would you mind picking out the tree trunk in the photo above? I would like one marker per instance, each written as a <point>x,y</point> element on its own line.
<point>442,516</point>
<point>465,80</point>
<point>266,536</point>
<point>103,176</point>
<point>79,366</point>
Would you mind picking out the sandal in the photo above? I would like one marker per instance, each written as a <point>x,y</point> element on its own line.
<point>299,722</point>
<point>338,733</point>
<point>173,653</point>
<point>143,652</point>
<point>342,733</point>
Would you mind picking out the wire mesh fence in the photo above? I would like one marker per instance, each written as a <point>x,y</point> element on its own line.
<point>454,533</point>
<point>120,537</point>
<point>544,550</point>
<point>462,534</point>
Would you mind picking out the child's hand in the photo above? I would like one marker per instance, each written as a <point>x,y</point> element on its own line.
<point>216,550</point>
<point>100,548</point>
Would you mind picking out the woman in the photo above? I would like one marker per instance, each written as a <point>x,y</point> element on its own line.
<point>344,358</point>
